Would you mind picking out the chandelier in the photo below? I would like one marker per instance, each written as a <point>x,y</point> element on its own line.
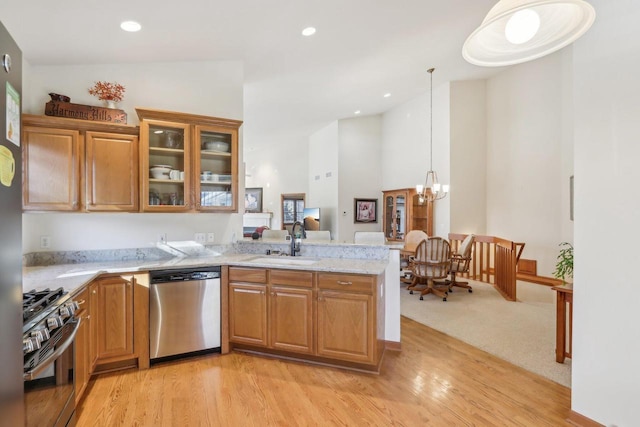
<point>432,189</point>
<point>516,31</point>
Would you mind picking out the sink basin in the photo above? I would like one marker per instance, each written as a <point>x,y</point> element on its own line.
<point>284,260</point>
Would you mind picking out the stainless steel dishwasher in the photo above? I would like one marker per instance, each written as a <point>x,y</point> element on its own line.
<point>184,311</point>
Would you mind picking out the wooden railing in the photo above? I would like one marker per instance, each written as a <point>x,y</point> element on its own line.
<point>493,261</point>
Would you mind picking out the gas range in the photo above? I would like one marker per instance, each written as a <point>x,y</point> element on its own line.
<point>49,329</point>
<point>45,313</point>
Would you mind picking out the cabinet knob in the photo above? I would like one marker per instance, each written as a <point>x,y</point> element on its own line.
<point>94,292</point>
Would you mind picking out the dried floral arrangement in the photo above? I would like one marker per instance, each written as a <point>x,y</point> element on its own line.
<point>106,91</point>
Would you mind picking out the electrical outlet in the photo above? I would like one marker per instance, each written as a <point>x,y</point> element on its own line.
<point>201,237</point>
<point>210,237</point>
<point>162,238</point>
<point>45,242</point>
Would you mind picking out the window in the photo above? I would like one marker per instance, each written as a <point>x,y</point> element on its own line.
<point>292,208</point>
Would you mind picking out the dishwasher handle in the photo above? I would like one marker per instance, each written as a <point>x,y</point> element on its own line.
<point>184,275</point>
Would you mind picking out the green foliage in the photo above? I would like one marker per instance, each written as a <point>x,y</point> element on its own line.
<point>564,265</point>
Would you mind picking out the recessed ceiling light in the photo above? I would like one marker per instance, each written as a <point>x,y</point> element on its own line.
<point>356,112</point>
<point>131,26</point>
<point>386,95</point>
<point>309,31</point>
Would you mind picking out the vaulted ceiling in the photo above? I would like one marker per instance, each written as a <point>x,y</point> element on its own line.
<point>294,85</point>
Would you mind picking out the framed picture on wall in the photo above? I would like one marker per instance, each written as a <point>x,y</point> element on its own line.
<point>365,210</point>
<point>253,199</point>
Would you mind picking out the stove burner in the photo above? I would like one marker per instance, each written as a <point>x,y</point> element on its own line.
<point>33,302</point>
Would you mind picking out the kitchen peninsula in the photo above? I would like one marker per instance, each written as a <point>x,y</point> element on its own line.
<point>344,295</point>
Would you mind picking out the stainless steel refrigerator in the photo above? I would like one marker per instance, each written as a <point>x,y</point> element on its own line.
<point>11,359</point>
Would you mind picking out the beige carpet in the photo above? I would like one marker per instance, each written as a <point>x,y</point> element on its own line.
<point>521,332</point>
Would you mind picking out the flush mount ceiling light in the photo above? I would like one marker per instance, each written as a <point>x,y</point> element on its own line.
<point>386,95</point>
<point>309,31</point>
<point>131,26</point>
<point>516,31</point>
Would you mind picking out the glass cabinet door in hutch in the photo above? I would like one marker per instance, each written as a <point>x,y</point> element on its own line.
<point>189,162</point>
<point>403,212</point>
<point>395,215</point>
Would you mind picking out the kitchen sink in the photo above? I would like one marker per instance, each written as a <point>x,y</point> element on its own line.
<point>284,260</point>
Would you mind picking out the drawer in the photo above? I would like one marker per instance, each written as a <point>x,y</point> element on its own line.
<point>347,282</point>
<point>291,278</point>
<point>251,275</point>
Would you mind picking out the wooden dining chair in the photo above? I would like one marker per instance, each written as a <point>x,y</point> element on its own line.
<point>411,241</point>
<point>431,261</point>
<point>460,263</point>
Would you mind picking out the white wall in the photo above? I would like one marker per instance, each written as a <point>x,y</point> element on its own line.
<point>405,148</point>
<point>359,161</point>
<point>525,176</point>
<point>208,88</point>
<point>606,342</point>
<point>468,198</point>
<point>278,168</point>
<point>323,176</point>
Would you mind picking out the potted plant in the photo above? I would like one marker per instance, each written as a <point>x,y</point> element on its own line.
<point>564,264</point>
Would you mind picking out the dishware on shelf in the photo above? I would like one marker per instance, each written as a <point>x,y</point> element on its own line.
<point>175,174</point>
<point>215,143</point>
<point>160,171</point>
<point>172,139</point>
<point>206,176</point>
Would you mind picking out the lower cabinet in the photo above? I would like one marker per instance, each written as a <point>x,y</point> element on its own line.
<point>328,317</point>
<point>113,318</point>
<point>271,308</point>
<point>114,342</point>
<point>82,343</point>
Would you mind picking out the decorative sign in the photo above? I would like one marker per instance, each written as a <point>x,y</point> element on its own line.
<point>84,112</point>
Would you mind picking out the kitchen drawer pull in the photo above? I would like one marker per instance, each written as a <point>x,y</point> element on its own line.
<point>340,282</point>
<point>81,302</point>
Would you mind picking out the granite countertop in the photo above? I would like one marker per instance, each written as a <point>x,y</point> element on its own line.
<point>72,277</point>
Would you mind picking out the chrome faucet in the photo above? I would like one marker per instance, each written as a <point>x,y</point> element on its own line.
<point>295,241</point>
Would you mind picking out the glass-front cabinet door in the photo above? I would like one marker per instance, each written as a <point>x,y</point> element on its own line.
<point>188,162</point>
<point>165,168</point>
<point>395,215</point>
<point>215,169</point>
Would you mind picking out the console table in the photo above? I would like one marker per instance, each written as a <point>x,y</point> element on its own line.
<point>564,323</point>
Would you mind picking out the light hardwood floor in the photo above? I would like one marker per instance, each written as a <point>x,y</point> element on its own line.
<point>435,380</point>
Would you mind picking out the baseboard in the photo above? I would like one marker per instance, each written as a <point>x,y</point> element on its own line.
<point>541,280</point>
<point>579,420</point>
<point>393,345</point>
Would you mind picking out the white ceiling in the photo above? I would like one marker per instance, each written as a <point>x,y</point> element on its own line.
<point>294,85</point>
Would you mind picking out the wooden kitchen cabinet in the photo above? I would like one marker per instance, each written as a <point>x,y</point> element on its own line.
<point>347,325</point>
<point>403,212</point>
<point>82,345</point>
<point>271,309</point>
<point>327,317</point>
<point>79,165</point>
<point>119,324</point>
<point>112,319</point>
<point>248,308</point>
<point>111,165</point>
<point>291,320</point>
<point>203,152</point>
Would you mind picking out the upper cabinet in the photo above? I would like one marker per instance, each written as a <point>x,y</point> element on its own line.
<point>78,165</point>
<point>188,162</point>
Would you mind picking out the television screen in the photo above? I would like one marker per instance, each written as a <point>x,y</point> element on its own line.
<point>311,219</point>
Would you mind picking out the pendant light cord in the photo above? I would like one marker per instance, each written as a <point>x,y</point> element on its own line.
<point>430,71</point>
